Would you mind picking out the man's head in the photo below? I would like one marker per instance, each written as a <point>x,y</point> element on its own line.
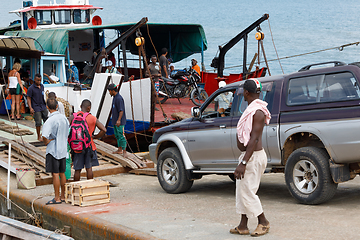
<point>51,104</point>
<point>193,62</point>
<point>112,89</point>
<point>164,51</point>
<point>37,79</point>
<point>153,59</point>
<point>52,95</point>
<point>252,89</point>
<point>85,105</point>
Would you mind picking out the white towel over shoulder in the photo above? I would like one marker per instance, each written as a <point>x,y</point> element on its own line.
<point>244,125</point>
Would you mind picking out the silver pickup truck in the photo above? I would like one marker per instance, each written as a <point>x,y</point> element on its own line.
<point>313,136</point>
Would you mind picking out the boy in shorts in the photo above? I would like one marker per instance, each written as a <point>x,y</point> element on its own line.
<point>88,158</point>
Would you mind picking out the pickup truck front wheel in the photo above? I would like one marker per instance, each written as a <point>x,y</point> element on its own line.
<point>308,177</point>
<point>171,172</point>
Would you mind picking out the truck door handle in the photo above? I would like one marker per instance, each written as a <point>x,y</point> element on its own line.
<point>223,126</point>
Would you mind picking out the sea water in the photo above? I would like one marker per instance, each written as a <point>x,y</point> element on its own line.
<point>297,27</point>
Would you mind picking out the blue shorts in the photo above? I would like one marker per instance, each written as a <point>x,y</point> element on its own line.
<point>86,159</point>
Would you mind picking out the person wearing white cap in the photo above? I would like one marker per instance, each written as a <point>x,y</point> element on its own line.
<point>109,67</point>
<point>224,99</point>
<point>73,73</point>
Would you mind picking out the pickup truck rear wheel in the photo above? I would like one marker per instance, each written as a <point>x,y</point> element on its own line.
<point>171,172</point>
<point>308,177</point>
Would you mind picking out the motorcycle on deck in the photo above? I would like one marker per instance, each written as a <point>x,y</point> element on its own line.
<point>181,85</point>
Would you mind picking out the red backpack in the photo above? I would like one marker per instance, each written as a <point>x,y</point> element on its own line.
<point>79,137</point>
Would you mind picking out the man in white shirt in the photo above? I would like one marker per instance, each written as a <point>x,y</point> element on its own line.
<point>60,108</point>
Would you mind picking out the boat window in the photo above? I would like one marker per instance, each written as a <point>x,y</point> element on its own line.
<point>62,17</point>
<point>52,72</point>
<point>81,16</point>
<point>43,17</point>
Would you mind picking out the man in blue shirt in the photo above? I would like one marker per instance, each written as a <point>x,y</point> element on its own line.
<point>36,102</point>
<point>55,135</point>
<point>118,118</point>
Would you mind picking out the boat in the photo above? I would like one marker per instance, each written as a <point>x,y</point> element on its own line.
<point>71,31</point>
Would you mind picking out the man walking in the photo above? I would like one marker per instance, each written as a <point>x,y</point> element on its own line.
<point>55,134</point>
<point>88,158</point>
<point>252,161</point>
<point>36,102</point>
<point>118,118</point>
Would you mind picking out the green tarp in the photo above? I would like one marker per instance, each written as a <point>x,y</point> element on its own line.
<point>51,41</point>
<point>182,40</point>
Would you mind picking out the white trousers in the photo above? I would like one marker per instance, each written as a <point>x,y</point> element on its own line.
<point>247,202</point>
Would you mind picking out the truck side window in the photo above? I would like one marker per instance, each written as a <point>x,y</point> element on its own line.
<point>220,106</point>
<point>338,87</point>
<point>323,88</point>
<point>266,95</point>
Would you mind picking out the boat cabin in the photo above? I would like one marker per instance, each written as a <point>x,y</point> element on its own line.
<point>71,13</point>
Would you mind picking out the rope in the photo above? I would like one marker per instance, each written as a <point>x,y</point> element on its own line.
<point>132,112</point>
<point>340,48</point>
<point>153,84</point>
<point>272,39</point>
<point>157,56</point>
<point>148,32</point>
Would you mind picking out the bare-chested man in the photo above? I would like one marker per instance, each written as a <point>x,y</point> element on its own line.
<point>252,161</point>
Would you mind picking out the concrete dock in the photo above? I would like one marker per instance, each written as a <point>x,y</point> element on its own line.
<point>140,209</point>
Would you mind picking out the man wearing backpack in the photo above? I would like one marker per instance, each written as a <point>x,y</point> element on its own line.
<point>84,155</point>
<point>55,133</point>
<point>118,118</point>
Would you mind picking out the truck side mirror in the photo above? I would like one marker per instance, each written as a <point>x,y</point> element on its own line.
<point>195,112</point>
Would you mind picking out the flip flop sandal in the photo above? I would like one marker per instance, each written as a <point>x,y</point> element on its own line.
<point>260,230</point>
<point>53,201</point>
<point>240,232</point>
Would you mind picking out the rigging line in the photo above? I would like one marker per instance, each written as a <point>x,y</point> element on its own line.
<point>148,32</point>
<point>157,56</point>
<point>272,39</point>
<point>340,48</point>
<point>146,135</point>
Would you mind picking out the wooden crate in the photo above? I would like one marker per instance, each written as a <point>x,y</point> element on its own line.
<point>87,193</point>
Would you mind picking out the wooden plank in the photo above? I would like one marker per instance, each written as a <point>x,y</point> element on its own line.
<point>28,162</point>
<point>4,164</point>
<point>145,171</point>
<point>34,149</point>
<point>27,152</point>
<point>107,150</point>
<point>107,171</point>
<point>125,162</point>
<point>95,202</point>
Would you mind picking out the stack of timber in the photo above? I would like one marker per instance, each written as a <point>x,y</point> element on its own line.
<point>14,129</point>
<point>87,193</point>
<point>26,156</point>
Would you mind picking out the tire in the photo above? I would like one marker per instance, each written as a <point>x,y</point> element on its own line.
<point>171,172</point>
<point>197,98</point>
<point>308,177</point>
